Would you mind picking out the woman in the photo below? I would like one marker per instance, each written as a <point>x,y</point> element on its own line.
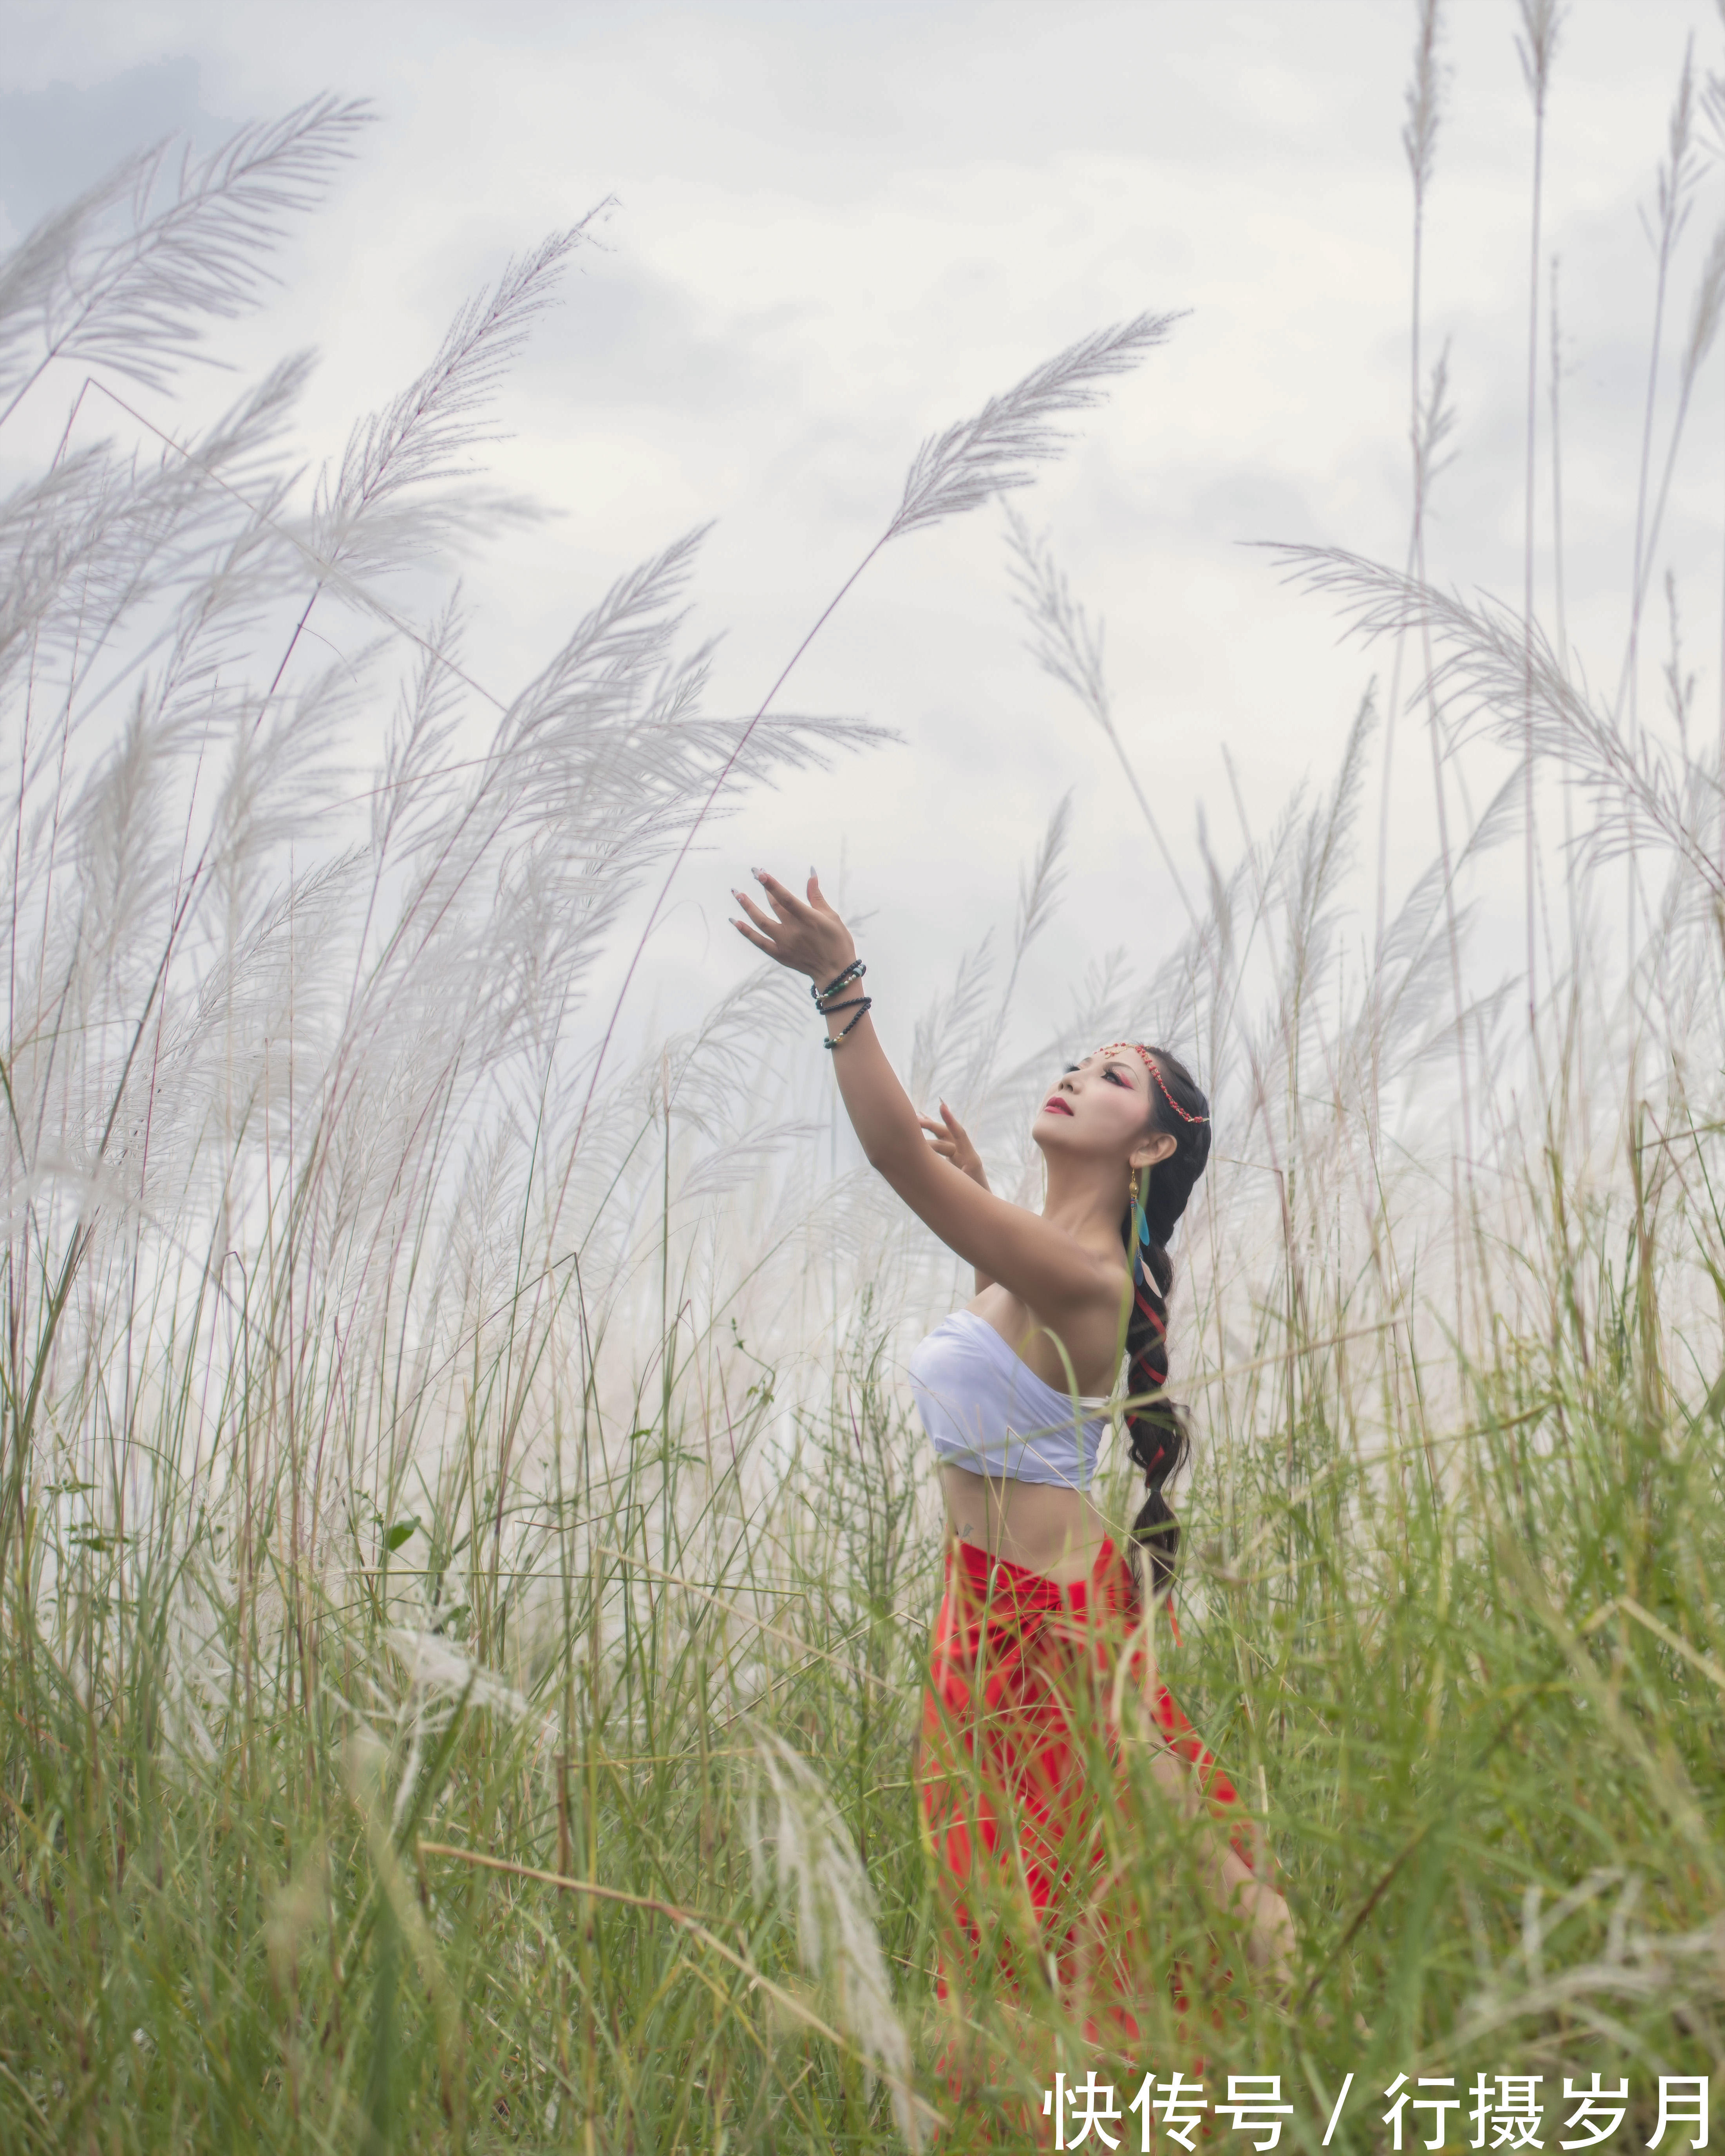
<point>1043,1618</point>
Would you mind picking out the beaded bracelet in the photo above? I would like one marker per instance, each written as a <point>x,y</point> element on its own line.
<point>854,972</point>
<point>868,1004</point>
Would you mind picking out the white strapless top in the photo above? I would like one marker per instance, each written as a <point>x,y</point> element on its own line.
<point>987,1410</point>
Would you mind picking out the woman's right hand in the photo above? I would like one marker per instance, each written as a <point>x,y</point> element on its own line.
<point>1271,1943</point>
<point>803,934</point>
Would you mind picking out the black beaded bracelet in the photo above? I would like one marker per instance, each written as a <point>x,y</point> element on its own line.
<point>827,1009</point>
<point>868,1004</point>
<point>854,972</point>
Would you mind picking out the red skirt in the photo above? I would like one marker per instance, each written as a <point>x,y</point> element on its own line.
<point>1021,1739</point>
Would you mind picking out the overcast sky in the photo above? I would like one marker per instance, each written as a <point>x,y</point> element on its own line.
<point>839,226</point>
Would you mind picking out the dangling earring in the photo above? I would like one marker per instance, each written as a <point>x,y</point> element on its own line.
<point>1139,1213</point>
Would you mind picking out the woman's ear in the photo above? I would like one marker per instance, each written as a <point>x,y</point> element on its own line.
<point>1160,1145</point>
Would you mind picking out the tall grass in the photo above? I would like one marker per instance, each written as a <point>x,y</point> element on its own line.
<point>465,1573</point>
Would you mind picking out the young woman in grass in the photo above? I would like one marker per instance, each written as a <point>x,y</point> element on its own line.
<point>1043,1610</point>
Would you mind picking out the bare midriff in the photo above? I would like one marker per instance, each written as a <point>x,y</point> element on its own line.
<point>1038,1525</point>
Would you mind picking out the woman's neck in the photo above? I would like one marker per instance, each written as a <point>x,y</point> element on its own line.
<point>1081,1198</point>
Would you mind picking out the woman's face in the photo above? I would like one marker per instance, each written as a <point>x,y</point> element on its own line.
<point>1100,1108</point>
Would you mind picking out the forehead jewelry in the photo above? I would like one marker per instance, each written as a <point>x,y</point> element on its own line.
<point>1149,1063</point>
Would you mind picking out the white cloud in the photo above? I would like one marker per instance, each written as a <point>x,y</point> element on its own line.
<point>842,226</point>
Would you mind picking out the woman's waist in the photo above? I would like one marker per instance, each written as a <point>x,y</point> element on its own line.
<point>1036,1526</point>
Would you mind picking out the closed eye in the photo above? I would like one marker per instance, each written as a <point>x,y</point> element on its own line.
<point>1119,1077</point>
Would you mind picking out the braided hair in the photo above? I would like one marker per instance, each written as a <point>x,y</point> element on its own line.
<point>1157,1434</point>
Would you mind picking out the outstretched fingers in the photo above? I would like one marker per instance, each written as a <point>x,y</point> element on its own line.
<point>808,938</point>
<point>754,936</point>
<point>762,919</point>
<point>786,901</point>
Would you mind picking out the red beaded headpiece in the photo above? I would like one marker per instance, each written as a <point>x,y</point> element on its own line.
<point>1149,1061</point>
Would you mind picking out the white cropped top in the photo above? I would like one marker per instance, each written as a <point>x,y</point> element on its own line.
<point>987,1410</point>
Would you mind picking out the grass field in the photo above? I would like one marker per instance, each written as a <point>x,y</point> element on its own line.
<point>462,1615</point>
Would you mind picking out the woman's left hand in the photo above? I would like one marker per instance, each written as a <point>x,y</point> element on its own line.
<point>807,936</point>
<point>952,1142</point>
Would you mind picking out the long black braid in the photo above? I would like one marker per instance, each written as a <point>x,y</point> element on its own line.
<point>1160,1440</point>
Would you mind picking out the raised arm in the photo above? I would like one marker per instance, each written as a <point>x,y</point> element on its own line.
<point>1039,1262</point>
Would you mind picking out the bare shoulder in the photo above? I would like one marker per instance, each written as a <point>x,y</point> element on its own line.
<point>1063,1338</point>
